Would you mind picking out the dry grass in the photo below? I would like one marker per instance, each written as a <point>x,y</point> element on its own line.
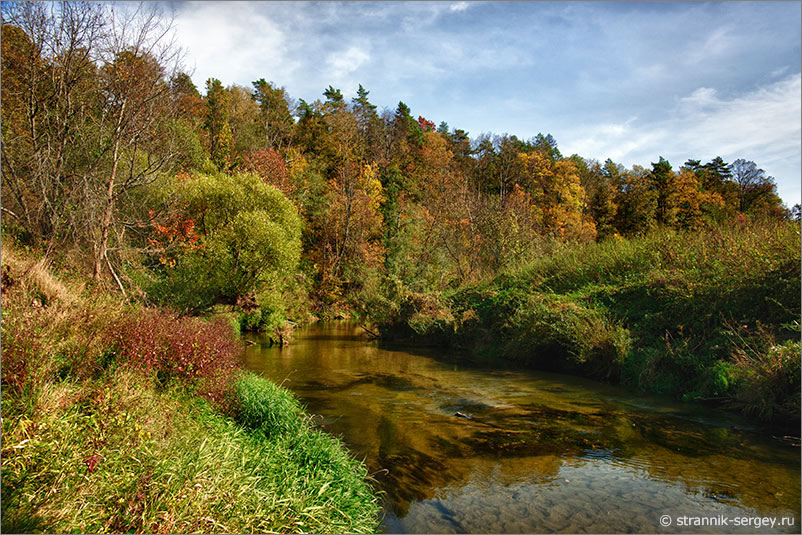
<point>34,276</point>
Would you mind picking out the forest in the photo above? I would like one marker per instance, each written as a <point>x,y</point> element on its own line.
<point>125,179</point>
<point>108,147</point>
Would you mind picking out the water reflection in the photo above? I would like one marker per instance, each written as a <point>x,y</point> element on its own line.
<point>529,451</point>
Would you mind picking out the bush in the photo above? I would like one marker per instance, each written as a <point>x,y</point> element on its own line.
<point>767,375</point>
<point>175,348</point>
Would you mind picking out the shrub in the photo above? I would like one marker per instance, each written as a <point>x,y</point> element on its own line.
<point>250,239</point>
<point>173,347</point>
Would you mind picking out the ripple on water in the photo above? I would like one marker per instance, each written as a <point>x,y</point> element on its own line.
<point>569,504</point>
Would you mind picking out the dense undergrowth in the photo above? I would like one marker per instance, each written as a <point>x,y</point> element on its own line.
<point>710,315</point>
<point>123,419</point>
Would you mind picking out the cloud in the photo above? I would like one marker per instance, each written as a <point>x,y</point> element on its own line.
<point>237,44</point>
<point>459,6</point>
<point>763,125</point>
<point>345,62</point>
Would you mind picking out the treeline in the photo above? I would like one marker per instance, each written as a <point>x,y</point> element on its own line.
<point>181,197</point>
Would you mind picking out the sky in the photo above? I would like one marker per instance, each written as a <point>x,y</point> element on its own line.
<point>630,81</point>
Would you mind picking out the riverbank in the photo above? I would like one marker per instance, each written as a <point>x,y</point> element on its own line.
<point>118,418</point>
<point>710,315</point>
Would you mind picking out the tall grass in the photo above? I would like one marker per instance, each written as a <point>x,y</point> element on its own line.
<point>652,312</point>
<point>117,456</point>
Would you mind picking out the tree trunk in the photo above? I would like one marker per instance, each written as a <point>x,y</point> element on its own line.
<point>108,211</point>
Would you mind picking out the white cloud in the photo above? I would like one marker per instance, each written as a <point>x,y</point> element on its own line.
<point>345,62</point>
<point>236,44</point>
<point>764,125</point>
<point>459,6</point>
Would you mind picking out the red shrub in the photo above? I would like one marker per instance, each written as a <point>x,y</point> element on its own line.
<point>22,350</point>
<point>174,347</point>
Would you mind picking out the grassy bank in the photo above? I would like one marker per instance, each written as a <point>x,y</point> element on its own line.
<point>711,315</point>
<point>121,419</point>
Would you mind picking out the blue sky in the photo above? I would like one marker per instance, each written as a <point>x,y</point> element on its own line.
<point>631,81</point>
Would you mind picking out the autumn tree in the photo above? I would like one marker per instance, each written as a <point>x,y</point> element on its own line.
<point>187,100</point>
<point>50,92</point>
<point>756,190</point>
<point>556,189</point>
<point>99,120</point>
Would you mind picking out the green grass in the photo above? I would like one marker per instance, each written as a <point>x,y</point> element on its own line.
<point>93,443</point>
<point>114,455</point>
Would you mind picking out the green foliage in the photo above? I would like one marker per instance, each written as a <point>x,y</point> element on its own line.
<point>250,240</point>
<point>653,312</point>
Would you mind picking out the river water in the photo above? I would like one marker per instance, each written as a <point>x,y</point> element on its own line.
<point>458,447</point>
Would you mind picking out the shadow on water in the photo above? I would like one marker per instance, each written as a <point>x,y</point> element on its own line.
<point>461,447</point>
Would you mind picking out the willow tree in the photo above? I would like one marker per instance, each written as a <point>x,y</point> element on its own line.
<point>238,237</point>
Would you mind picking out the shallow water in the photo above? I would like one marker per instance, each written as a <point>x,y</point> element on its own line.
<point>533,452</point>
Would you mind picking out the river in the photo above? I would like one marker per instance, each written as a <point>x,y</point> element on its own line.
<point>458,447</point>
